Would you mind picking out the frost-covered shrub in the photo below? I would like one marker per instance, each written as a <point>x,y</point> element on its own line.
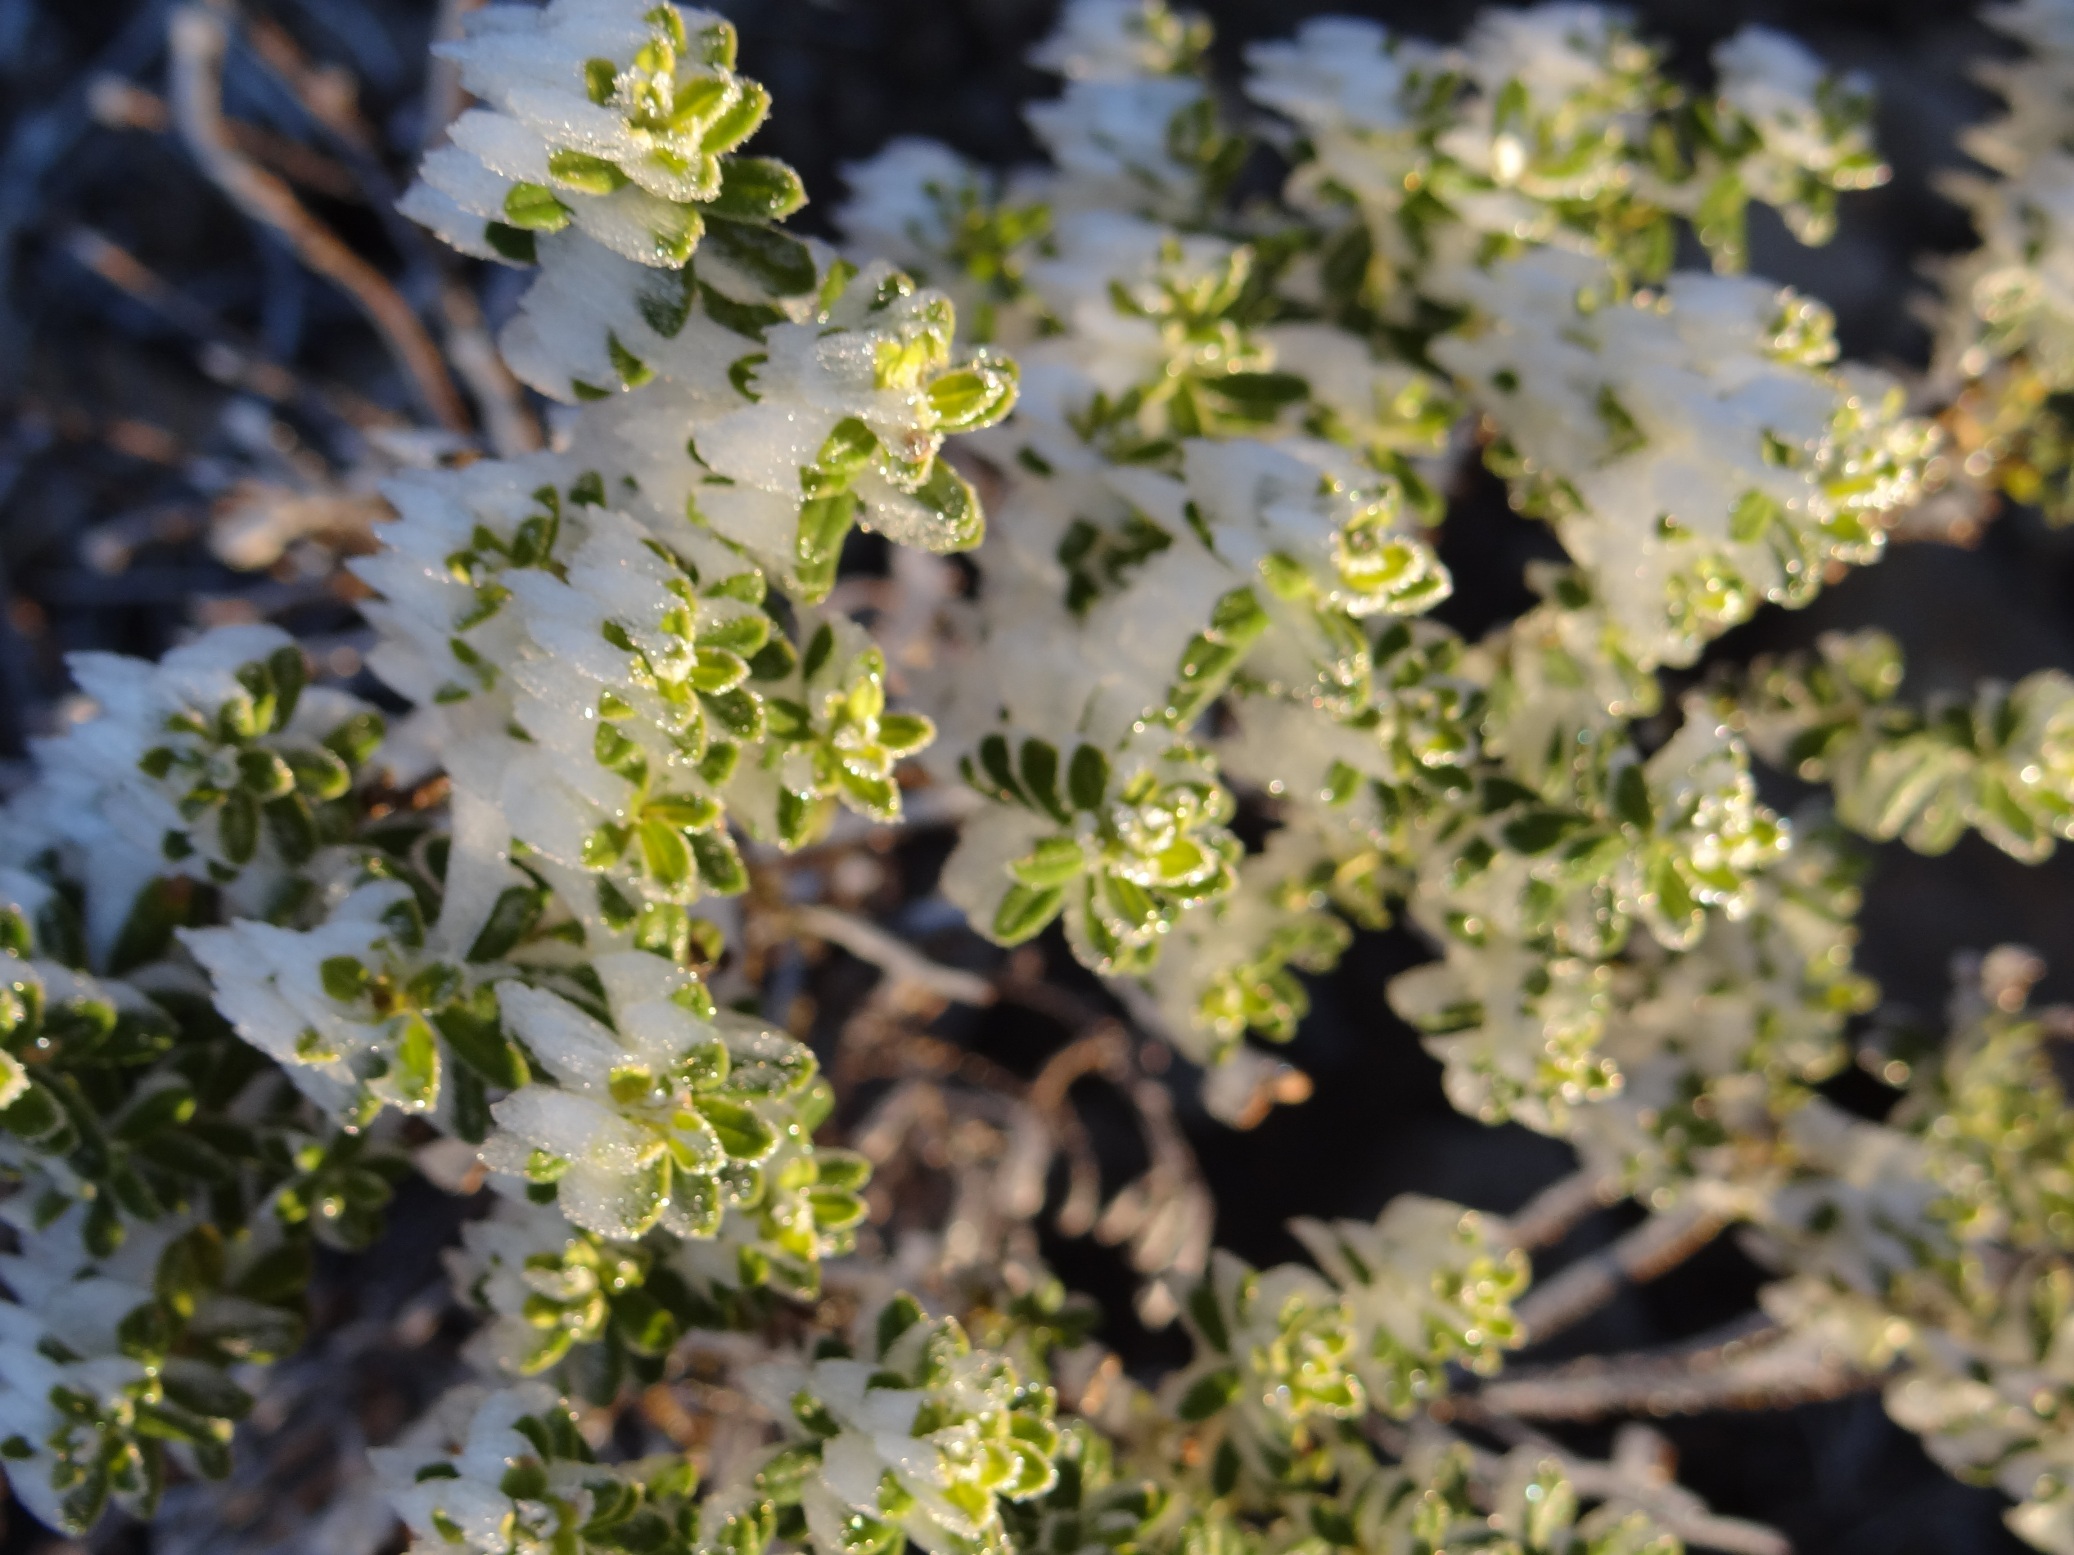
<point>1196,698</point>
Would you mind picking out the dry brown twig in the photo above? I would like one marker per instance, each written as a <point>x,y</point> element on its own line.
<point>330,93</point>
<point>988,1139</point>
<point>227,355</point>
<point>197,38</point>
<point>121,104</point>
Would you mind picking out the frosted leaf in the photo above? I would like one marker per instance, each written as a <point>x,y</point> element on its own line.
<point>573,1128</point>
<point>576,1048</point>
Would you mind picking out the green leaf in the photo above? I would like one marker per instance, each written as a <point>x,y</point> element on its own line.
<point>512,243</point>
<point>1025,910</point>
<point>738,712</point>
<point>478,1040</point>
<point>971,397</point>
<point>896,1317</point>
<point>744,634</point>
<point>160,908</point>
<point>720,863</point>
<point>818,546</point>
<point>579,170</point>
<point>697,1201</point>
<point>293,826</point>
<point>739,122</point>
<point>846,451</point>
<point>646,1327</point>
<point>664,301</point>
<point>1258,396</point>
<point>319,773</point>
<point>279,1277</point>
<point>1208,1395</point>
<point>819,647</point>
<point>743,1134</point>
<point>1631,801</point>
<point>535,208</point>
<point>415,1075</point>
<point>775,660</point>
<point>164,1108</point>
<point>516,910</point>
<point>1540,831</point>
<point>1209,1317</point>
<point>237,826</point>
<point>779,262</point>
<point>291,672</point>
<point>34,1114</point>
<point>663,929</point>
<point>1087,778</point>
<point>995,763</point>
<point>951,498</point>
<point>835,1209</point>
<point>203,1390</point>
<point>344,978</point>
<point>184,1155</point>
<point>1053,862</point>
<point>902,734</point>
<point>838,1168</point>
<point>357,739</point>
<point>756,189</point>
<point>716,670</point>
<point>1040,777</point>
<point>664,854</point>
<point>686,812</point>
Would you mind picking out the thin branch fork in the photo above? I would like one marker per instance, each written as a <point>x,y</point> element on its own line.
<point>198,38</point>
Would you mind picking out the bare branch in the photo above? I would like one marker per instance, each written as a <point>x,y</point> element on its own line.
<point>1656,1246</point>
<point>509,424</point>
<point>198,38</point>
<point>896,958</point>
<point>444,98</point>
<point>1555,1211</point>
<point>1756,1368</point>
<point>121,104</point>
<point>228,355</point>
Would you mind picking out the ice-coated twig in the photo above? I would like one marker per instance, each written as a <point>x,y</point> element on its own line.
<point>1653,1248</point>
<point>897,959</point>
<point>508,423</point>
<point>1557,1210</point>
<point>1754,1366</point>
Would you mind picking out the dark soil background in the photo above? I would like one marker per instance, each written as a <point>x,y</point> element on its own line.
<point>113,440</point>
